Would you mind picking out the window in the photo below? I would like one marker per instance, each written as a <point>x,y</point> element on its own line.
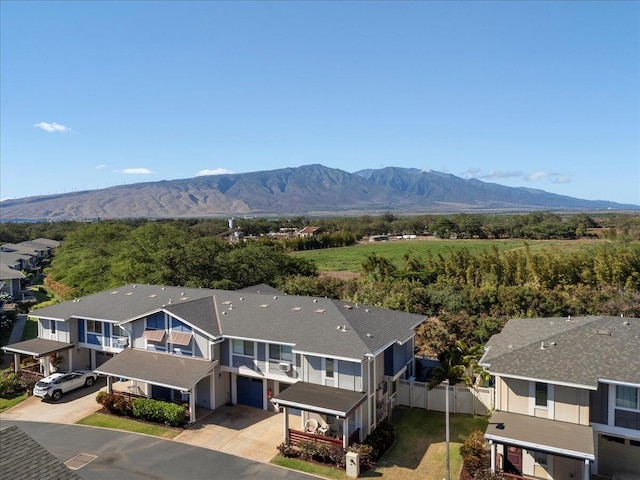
<point>243,347</point>
<point>156,321</point>
<point>627,397</point>
<point>118,331</point>
<point>53,327</point>
<point>329,367</point>
<point>541,394</point>
<point>540,458</point>
<point>281,353</point>
<point>94,327</point>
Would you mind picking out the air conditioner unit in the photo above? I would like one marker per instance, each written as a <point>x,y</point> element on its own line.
<point>284,367</point>
<point>123,341</point>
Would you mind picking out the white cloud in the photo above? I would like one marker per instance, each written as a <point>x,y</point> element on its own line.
<point>215,171</point>
<point>100,167</point>
<point>52,127</point>
<point>135,171</point>
<point>532,177</point>
<point>562,179</point>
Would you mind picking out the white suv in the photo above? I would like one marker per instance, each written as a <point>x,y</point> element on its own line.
<point>56,384</point>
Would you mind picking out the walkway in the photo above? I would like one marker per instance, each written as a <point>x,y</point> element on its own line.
<point>18,328</point>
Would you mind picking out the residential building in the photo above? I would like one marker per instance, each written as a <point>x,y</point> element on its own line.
<point>567,397</point>
<point>335,361</point>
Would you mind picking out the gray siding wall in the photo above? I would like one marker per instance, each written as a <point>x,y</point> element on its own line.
<point>348,375</point>
<point>224,352</point>
<point>200,345</point>
<point>314,374</point>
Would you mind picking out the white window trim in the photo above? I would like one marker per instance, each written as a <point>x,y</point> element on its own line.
<point>550,408</point>
<point>627,409</point>
<point>333,378</point>
<point>279,360</point>
<point>255,349</point>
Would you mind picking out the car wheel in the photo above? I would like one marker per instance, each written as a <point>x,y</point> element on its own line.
<point>89,382</point>
<point>57,395</point>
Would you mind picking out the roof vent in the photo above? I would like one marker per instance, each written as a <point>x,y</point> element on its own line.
<point>319,310</point>
<point>366,310</point>
<point>182,293</point>
<point>128,294</point>
<point>224,312</point>
<point>296,309</point>
<point>342,328</point>
<point>348,307</point>
<point>315,300</point>
<point>369,335</point>
<point>184,298</point>
<point>169,301</point>
<point>115,292</point>
<point>226,302</point>
<point>275,297</point>
<point>241,298</point>
<point>134,285</point>
<point>603,332</point>
<point>569,318</point>
<point>162,288</point>
<point>542,346</point>
<point>153,295</point>
<point>264,305</point>
<point>626,322</point>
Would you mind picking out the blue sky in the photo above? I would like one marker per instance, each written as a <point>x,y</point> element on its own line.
<point>538,94</point>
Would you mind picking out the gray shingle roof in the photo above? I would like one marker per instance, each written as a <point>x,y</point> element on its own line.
<point>173,371</point>
<point>577,351</point>
<point>38,347</point>
<point>22,458</point>
<point>313,325</point>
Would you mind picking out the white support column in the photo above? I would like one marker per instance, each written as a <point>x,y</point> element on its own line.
<point>493,456</point>
<point>192,405</point>
<point>286,425</point>
<point>586,473</point>
<point>16,362</point>
<point>109,384</point>
<point>345,433</point>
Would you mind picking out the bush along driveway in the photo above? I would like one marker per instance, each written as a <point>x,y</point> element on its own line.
<point>419,451</point>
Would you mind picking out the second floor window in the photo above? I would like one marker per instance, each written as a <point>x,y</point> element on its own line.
<point>94,327</point>
<point>243,347</point>
<point>541,394</point>
<point>329,367</point>
<point>280,353</point>
<point>627,397</point>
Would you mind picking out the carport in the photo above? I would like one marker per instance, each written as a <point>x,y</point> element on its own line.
<point>158,369</point>
<point>39,348</point>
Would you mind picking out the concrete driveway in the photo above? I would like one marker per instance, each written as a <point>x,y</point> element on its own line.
<point>239,430</point>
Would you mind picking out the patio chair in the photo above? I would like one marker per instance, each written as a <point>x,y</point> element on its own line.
<point>311,426</point>
<point>323,428</point>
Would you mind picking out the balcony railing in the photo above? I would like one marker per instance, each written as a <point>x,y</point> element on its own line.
<point>296,436</point>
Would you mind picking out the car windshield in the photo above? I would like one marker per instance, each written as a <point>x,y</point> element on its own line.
<point>42,384</point>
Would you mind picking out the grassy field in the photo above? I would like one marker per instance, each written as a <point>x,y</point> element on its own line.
<point>311,468</point>
<point>349,259</point>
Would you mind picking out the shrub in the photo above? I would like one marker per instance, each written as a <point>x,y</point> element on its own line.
<point>100,397</point>
<point>27,380</point>
<point>288,450</point>
<point>365,453</point>
<point>158,411</point>
<point>487,474</point>
<point>473,452</point>
<point>9,384</point>
<point>380,439</point>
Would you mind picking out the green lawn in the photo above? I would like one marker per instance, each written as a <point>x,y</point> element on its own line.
<point>420,448</point>
<point>30,329</point>
<point>311,468</point>
<point>6,403</point>
<point>127,424</point>
<point>349,259</point>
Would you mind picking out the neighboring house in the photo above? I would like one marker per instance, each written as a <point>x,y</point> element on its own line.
<point>27,255</point>
<point>309,231</point>
<point>567,397</point>
<point>10,281</point>
<point>335,361</point>
<point>21,457</point>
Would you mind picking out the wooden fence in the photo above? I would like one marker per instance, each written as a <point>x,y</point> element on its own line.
<point>462,398</point>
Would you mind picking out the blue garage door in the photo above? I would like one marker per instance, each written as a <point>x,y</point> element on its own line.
<point>250,391</point>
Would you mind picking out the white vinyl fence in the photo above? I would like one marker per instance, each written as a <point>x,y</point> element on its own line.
<point>462,398</point>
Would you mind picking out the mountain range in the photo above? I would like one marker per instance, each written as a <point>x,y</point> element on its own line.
<point>305,190</point>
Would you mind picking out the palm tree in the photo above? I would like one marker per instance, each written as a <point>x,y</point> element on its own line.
<point>458,365</point>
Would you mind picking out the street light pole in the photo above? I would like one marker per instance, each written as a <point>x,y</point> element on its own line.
<point>446,403</point>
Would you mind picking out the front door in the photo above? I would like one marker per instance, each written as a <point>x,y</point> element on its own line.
<point>514,460</point>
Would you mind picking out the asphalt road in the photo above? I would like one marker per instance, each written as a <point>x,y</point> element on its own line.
<point>128,456</point>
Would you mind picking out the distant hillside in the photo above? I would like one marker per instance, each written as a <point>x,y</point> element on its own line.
<point>308,190</point>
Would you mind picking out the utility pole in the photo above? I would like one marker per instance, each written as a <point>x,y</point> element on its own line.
<point>446,404</point>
